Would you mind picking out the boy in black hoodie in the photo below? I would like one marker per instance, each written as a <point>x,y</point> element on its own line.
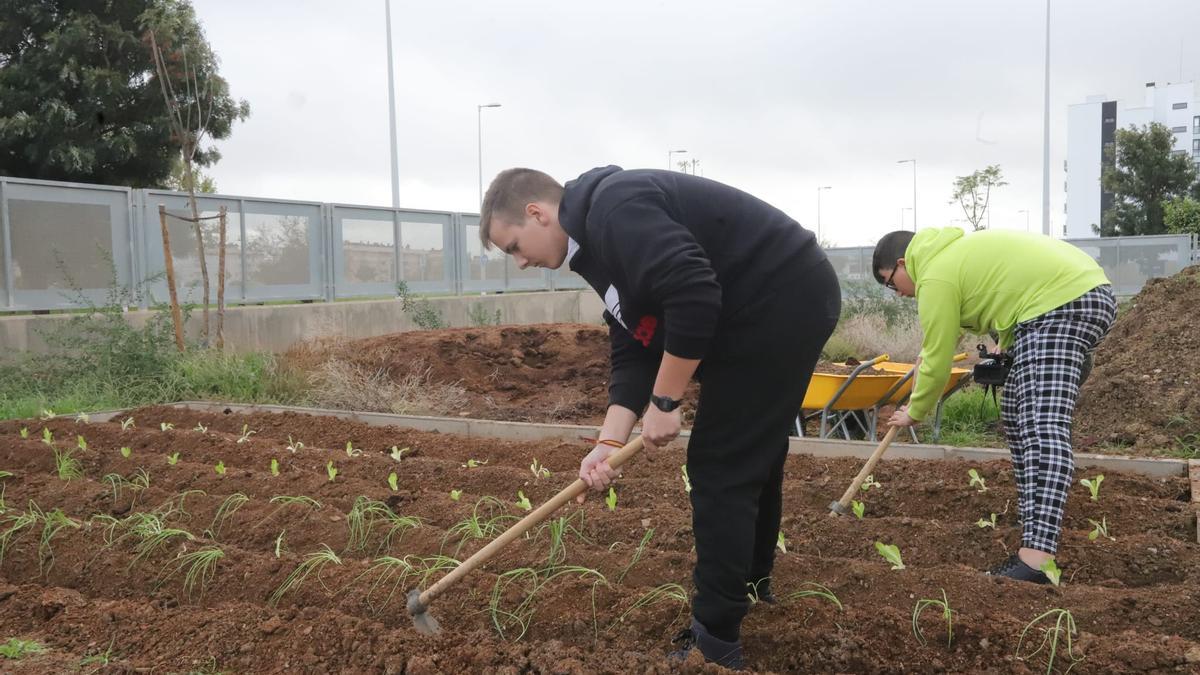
<point>697,278</point>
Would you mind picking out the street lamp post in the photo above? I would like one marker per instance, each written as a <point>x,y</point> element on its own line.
<point>819,189</point>
<point>914,206</point>
<point>672,153</point>
<point>387,8</point>
<point>479,128</point>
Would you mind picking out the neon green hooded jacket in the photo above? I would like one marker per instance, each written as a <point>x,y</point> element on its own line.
<point>985,281</point>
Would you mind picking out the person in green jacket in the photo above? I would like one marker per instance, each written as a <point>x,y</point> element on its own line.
<point>1050,304</point>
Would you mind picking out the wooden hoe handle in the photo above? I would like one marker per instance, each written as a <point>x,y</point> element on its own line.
<point>844,502</point>
<point>539,514</point>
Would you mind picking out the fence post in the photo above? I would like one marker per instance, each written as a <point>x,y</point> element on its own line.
<point>10,302</point>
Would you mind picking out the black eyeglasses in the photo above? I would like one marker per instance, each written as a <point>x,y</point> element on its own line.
<point>889,284</point>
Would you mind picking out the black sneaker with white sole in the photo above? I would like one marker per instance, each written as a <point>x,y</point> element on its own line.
<point>1015,568</point>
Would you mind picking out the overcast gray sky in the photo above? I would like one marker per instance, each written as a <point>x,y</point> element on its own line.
<point>776,98</point>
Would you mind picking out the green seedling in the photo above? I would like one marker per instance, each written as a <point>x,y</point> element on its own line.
<point>558,530</point>
<point>687,482</point>
<point>947,614</point>
<point>1063,627</point>
<point>18,649</point>
<point>173,458</point>
<point>201,428</point>
<point>47,436</point>
<point>890,553</point>
<point>473,463</point>
<point>858,507</point>
<point>365,514</point>
<point>220,467</point>
<point>870,482</point>
<point>331,470</point>
<point>293,446</point>
<point>488,518</point>
<point>781,542</point>
<point>165,426</point>
<point>984,522</point>
<point>126,451</point>
<point>1100,529</point>
<point>224,512</point>
<point>246,434</point>
<point>25,432</point>
<point>1050,568</point>
<point>65,465</point>
<point>82,418</point>
<point>398,453</point>
<point>314,562</point>
<point>538,470</point>
<point>274,467</point>
<point>52,523</point>
<point>611,500</point>
<point>1093,486</point>
<point>352,451</point>
<point>664,593</point>
<point>127,424</point>
<point>47,414</point>
<point>81,442</point>
<point>16,524</point>
<point>752,590</point>
<point>637,554</point>
<point>523,501</point>
<point>285,501</point>
<point>532,582</point>
<point>393,481</point>
<point>279,543</point>
<point>99,658</point>
<point>456,495</point>
<point>6,474</point>
<point>391,573</point>
<point>201,566</point>
<point>814,590</point>
<point>152,535</point>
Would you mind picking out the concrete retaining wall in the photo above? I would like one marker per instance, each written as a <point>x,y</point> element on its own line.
<point>276,327</point>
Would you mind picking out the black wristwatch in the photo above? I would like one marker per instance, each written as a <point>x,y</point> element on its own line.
<point>664,403</point>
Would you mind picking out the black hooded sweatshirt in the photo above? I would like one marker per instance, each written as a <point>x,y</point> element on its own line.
<point>679,261</point>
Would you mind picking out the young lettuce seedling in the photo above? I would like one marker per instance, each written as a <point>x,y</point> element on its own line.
<point>126,451</point>
<point>331,470</point>
<point>977,481</point>
<point>127,423</point>
<point>611,499</point>
<point>858,507</point>
<point>172,458</point>
<point>81,442</point>
<point>984,522</point>
<point>869,483</point>
<point>274,467</point>
<point>538,470</point>
<point>393,481</point>
<point>220,467</point>
<point>1050,568</point>
<point>456,494</point>
<point>890,553</point>
<point>687,482</point>
<point>1100,529</point>
<point>352,451</point>
<point>201,428</point>
<point>165,426</point>
<point>293,446</point>
<point>781,542</point>
<point>24,432</point>
<point>246,434</point>
<point>523,501</point>
<point>1093,486</point>
<point>82,418</point>
<point>473,463</point>
<point>398,453</point>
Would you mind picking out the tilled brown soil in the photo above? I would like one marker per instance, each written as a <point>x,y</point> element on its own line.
<point>1144,392</point>
<point>1133,599</point>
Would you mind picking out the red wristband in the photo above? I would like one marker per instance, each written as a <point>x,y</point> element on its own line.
<point>610,442</point>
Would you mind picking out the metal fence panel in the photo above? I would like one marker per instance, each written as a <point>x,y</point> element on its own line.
<point>298,250</point>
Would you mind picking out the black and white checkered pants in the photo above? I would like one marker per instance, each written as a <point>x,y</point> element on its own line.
<point>1038,403</point>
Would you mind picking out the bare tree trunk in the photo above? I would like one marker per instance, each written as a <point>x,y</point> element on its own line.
<point>221,281</point>
<point>191,185</point>
<point>176,315</point>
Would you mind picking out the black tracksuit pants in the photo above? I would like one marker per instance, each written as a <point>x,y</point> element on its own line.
<point>752,384</point>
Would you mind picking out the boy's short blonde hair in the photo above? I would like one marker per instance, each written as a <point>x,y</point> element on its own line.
<point>508,194</point>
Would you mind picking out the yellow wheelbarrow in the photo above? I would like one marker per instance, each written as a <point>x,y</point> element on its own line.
<point>855,399</point>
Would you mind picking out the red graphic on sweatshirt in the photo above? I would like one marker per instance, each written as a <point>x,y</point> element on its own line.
<point>645,330</point>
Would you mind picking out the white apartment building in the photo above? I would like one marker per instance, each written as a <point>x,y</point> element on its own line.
<point>1092,125</point>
